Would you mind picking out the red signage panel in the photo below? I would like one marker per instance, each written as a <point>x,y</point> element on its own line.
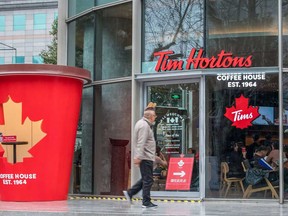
<point>9,138</point>
<point>179,173</point>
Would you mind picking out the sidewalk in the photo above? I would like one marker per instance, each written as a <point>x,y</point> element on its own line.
<point>87,207</point>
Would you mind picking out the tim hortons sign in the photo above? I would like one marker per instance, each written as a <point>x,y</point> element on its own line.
<point>196,60</point>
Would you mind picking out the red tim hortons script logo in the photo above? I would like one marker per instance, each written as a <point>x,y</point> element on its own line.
<point>196,60</point>
<point>242,114</point>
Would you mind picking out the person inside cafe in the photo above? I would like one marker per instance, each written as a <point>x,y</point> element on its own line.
<point>160,164</point>
<point>236,156</point>
<point>260,153</point>
<point>251,148</point>
<point>273,156</point>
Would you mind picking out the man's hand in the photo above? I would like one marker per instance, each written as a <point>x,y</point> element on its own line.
<point>137,161</point>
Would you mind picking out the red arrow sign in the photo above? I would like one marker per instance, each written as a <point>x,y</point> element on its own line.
<point>179,173</point>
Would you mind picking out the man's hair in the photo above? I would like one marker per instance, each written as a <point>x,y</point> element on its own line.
<point>275,144</point>
<point>262,148</point>
<point>151,106</point>
<point>256,137</point>
<point>148,113</point>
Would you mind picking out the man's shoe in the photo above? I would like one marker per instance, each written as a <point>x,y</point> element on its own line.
<point>128,198</point>
<point>149,205</point>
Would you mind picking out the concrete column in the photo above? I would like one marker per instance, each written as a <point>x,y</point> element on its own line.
<point>62,32</point>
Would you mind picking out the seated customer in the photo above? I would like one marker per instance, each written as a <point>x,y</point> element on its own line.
<point>273,156</point>
<point>160,164</point>
<point>261,153</point>
<point>252,147</point>
<point>235,159</point>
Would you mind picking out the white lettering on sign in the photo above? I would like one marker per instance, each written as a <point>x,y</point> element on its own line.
<point>17,178</point>
<point>6,176</point>
<point>238,116</point>
<point>241,80</point>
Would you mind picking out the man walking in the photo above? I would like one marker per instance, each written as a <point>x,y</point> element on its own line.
<point>144,156</point>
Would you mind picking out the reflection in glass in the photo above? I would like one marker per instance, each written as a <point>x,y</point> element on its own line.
<point>172,25</point>
<point>244,28</point>
<point>285,34</point>
<point>76,6</point>
<point>114,42</point>
<point>81,46</point>
<point>112,121</point>
<point>83,154</point>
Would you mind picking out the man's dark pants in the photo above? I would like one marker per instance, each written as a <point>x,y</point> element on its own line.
<point>145,183</point>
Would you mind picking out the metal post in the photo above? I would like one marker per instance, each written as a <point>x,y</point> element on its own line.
<point>280,63</point>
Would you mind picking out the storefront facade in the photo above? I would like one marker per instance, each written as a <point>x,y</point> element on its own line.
<point>212,67</point>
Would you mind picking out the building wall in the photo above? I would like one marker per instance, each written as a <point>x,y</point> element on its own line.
<point>25,27</point>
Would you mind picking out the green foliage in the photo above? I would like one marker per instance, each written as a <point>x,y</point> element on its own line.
<point>50,55</point>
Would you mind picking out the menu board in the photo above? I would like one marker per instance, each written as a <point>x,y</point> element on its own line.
<point>171,129</point>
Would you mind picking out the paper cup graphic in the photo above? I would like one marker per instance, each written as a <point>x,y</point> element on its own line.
<point>39,111</point>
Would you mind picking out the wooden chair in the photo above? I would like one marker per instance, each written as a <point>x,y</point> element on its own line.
<point>258,187</point>
<point>228,181</point>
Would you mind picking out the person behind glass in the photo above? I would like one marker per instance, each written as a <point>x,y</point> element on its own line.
<point>268,140</point>
<point>261,152</point>
<point>273,156</point>
<point>144,156</point>
<point>160,164</point>
<point>251,148</point>
<point>235,158</point>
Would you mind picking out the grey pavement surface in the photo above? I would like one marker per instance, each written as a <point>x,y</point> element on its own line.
<point>82,207</point>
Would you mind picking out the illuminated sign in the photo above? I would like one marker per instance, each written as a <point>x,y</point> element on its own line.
<point>196,60</point>
<point>175,96</point>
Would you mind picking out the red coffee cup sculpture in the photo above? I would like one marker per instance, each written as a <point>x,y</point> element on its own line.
<point>39,111</point>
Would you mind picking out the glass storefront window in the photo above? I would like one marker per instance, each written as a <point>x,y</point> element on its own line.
<point>81,54</point>
<point>83,153</point>
<point>176,132</point>
<point>114,42</point>
<point>244,28</point>
<point>112,138</point>
<point>285,130</point>
<point>101,2</point>
<point>285,35</point>
<point>81,46</point>
<point>76,6</point>
<point>109,33</point>
<point>227,143</point>
<point>173,25</point>
<point>102,43</point>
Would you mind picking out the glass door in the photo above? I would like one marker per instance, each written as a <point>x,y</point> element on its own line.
<point>177,138</point>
